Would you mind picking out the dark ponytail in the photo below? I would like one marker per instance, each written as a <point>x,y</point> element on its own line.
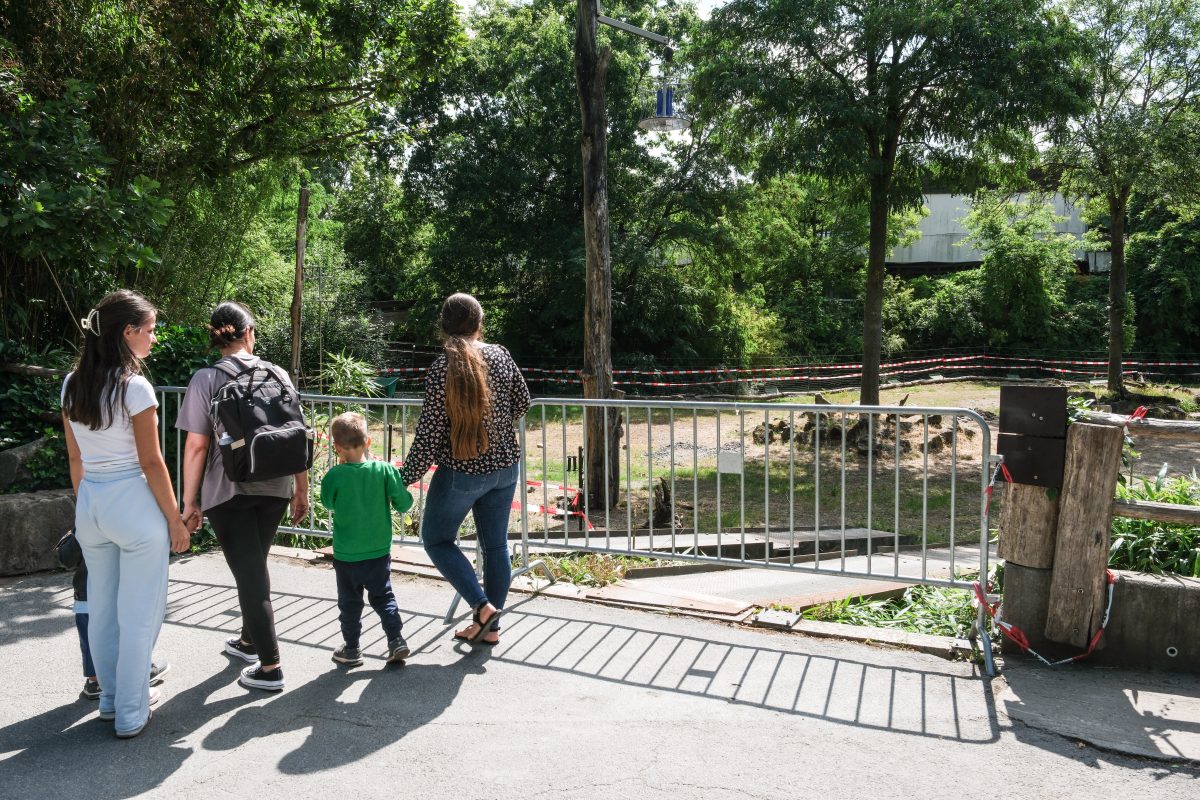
<point>105,362</point>
<point>229,322</point>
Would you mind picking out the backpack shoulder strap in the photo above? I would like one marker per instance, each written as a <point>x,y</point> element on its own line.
<point>231,370</point>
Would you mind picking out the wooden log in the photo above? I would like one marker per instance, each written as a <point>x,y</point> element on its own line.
<point>1147,428</point>
<point>1026,595</point>
<point>1028,523</point>
<point>1158,512</point>
<point>1077,586</point>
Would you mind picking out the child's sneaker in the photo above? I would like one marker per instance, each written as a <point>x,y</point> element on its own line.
<point>255,677</point>
<point>91,689</point>
<point>157,671</point>
<point>348,655</point>
<point>397,650</point>
<point>235,647</point>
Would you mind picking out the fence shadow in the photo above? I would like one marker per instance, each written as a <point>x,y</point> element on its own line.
<point>937,703</point>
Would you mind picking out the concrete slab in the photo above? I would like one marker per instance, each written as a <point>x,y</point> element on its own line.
<point>579,701</point>
<point>1148,714</point>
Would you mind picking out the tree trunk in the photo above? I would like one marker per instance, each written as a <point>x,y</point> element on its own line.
<point>298,289</point>
<point>1116,296</point>
<point>591,71</point>
<point>873,312</point>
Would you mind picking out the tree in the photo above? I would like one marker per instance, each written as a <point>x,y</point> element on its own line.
<point>177,101</point>
<point>883,93</point>
<point>1144,73</point>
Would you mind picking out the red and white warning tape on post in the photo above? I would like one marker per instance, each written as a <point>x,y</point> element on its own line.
<point>1014,632</point>
<point>1017,635</point>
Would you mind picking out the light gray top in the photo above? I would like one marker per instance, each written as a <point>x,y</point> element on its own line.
<point>195,417</point>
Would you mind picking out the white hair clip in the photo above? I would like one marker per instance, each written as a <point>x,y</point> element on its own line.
<point>91,322</point>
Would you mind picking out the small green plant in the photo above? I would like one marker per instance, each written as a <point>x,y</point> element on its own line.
<point>922,609</point>
<point>1150,546</point>
<point>346,376</point>
<point>597,569</point>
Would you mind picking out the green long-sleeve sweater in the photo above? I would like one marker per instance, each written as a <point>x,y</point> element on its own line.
<point>361,497</point>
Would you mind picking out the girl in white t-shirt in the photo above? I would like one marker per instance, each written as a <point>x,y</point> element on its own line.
<point>126,517</point>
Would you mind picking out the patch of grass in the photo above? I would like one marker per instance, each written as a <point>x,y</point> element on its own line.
<point>597,569</point>
<point>922,609</point>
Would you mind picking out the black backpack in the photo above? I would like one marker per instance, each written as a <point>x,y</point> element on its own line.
<point>263,432</point>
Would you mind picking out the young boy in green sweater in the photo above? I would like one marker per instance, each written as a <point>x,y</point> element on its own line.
<point>361,494</point>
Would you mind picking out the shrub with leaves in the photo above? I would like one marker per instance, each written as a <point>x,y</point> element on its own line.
<point>1158,547</point>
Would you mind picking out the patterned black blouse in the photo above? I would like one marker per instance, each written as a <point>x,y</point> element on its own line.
<point>510,401</point>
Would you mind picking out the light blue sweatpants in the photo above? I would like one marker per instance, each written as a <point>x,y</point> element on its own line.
<point>126,546</point>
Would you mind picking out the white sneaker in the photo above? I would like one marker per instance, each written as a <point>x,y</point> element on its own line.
<point>132,733</point>
<point>155,696</point>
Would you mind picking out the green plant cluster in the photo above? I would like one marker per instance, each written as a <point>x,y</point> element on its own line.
<point>922,609</point>
<point>1157,547</point>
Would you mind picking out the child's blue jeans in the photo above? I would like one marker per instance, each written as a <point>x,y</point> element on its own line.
<point>81,625</point>
<point>373,575</point>
<point>489,499</point>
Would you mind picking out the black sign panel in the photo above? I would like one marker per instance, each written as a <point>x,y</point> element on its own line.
<point>1033,460</point>
<point>1034,411</point>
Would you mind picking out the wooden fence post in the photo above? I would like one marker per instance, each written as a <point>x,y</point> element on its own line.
<point>1028,523</point>
<point>1077,584</point>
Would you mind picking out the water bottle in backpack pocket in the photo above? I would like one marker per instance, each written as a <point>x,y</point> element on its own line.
<point>263,431</point>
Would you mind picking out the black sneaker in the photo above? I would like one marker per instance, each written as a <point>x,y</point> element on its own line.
<point>255,677</point>
<point>397,650</point>
<point>91,689</point>
<point>157,671</point>
<point>235,647</point>
<point>348,655</point>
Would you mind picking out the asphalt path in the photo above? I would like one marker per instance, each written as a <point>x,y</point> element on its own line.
<point>579,701</point>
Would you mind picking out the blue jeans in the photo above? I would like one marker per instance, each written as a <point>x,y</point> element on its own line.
<point>374,575</point>
<point>81,625</point>
<point>489,499</point>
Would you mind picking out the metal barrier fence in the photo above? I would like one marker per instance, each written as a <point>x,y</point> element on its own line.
<point>883,492</point>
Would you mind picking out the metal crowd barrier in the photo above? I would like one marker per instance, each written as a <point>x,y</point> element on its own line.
<point>894,493</point>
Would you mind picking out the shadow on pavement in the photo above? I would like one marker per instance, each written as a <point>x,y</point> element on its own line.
<point>939,703</point>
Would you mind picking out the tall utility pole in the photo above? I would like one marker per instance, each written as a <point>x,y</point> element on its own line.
<point>591,71</point>
<point>298,288</point>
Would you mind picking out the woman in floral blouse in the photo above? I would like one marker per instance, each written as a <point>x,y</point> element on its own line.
<point>473,395</point>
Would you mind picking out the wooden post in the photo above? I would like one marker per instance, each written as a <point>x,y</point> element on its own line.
<point>591,71</point>
<point>1077,585</point>
<point>298,288</point>
<point>1028,523</point>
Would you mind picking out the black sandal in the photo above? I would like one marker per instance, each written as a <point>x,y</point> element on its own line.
<point>484,628</point>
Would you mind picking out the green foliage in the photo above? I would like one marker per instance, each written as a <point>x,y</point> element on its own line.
<point>1164,278</point>
<point>27,403</point>
<point>344,376</point>
<point>1024,271</point>
<point>597,569</point>
<point>922,609</point>
<point>179,352</point>
<point>1149,546</point>
<point>48,467</point>
<point>69,229</point>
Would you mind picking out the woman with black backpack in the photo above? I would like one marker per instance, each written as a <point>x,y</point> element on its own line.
<point>244,482</point>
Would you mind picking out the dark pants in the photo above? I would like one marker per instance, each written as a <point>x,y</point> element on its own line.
<point>81,625</point>
<point>375,576</point>
<point>245,526</point>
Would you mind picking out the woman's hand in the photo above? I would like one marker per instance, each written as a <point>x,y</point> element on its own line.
<point>181,539</point>
<point>192,517</point>
<point>299,507</point>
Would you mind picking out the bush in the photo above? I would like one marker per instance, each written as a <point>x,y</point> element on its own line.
<point>1149,546</point>
<point>180,351</point>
